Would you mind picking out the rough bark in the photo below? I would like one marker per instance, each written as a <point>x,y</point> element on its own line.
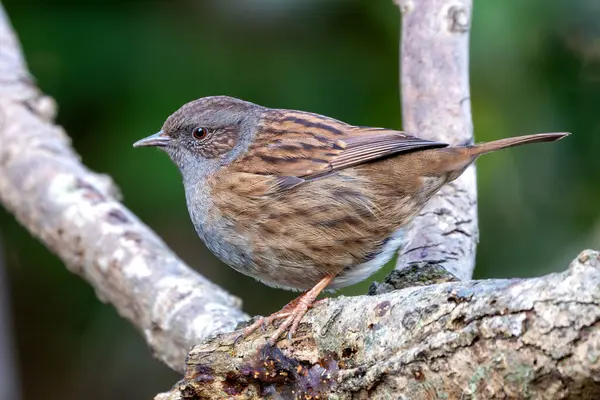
<point>519,338</point>
<point>436,105</point>
<point>76,213</point>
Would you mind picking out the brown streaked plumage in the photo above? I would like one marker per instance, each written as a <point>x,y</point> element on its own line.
<point>302,201</point>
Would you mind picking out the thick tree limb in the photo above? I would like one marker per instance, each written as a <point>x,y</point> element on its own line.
<point>520,338</point>
<point>75,212</point>
<point>436,105</point>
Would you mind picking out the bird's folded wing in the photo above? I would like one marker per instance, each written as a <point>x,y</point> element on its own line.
<point>302,150</point>
<point>369,144</point>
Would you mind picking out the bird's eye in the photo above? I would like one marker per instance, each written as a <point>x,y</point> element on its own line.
<point>200,133</point>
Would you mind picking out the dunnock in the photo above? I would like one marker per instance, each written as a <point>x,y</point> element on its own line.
<point>301,201</point>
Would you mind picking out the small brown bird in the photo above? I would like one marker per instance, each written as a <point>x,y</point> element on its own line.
<point>301,201</point>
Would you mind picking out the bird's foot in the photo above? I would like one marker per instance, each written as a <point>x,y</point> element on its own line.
<point>293,313</point>
<point>264,322</point>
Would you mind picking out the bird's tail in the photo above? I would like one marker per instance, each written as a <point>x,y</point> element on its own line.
<point>452,161</point>
<point>484,148</point>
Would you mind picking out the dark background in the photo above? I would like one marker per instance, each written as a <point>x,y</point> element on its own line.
<point>118,68</point>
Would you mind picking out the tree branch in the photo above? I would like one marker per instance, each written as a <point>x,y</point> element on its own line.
<point>518,338</point>
<point>75,212</point>
<point>436,105</point>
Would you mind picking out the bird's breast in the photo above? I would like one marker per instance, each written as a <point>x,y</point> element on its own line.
<point>218,233</point>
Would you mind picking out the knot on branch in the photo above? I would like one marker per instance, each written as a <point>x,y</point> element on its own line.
<point>405,6</point>
<point>420,273</point>
<point>585,259</point>
<point>43,106</point>
<point>459,18</point>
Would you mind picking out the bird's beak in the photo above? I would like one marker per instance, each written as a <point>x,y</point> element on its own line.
<point>159,139</point>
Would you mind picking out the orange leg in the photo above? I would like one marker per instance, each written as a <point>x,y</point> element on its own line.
<point>293,312</point>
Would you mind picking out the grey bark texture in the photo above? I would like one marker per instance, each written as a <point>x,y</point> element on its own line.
<point>76,213</point>
<point>496,339</point>
<point>436,105</point>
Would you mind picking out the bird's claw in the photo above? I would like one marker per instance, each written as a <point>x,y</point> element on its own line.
<point>293,313</point>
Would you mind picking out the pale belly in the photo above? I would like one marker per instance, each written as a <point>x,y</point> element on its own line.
<point>277,273</point>
<point>360,272</point>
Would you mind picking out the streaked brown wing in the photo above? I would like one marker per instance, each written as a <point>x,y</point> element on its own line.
<point>368,144</point>
<point>297,146</point>
<point>293,143</point>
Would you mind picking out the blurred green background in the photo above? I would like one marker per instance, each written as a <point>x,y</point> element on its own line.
<point>118,68</point>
